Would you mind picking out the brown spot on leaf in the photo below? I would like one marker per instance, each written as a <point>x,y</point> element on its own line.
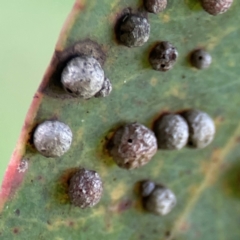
<point>17,212</point>
<point>39,178</point>
<point>167,233</point>
<point>124,205</point>
<point>184,227</point>
<point>71,224</point>
<point>15,230</point>
<point>231,180</point>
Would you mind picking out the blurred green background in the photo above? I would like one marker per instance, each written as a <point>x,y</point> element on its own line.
<point>29,30</point>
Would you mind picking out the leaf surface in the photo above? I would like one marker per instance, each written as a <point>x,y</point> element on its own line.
<point>33,199</point>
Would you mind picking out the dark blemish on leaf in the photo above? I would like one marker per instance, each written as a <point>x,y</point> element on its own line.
<point>15,230</point>
<point>167,234</point>
<point>17,212</point>
<point>71,224</point>
<point>86,47</point>
<point>124,205</point>
<point>48,222</point>
<point>230,182</point>
<point>40,178</point>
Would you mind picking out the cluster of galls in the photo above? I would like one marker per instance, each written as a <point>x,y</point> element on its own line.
<point>133,145</point>
<point>213,7</point>
<point>193,128</point>
<point>134,31</point>
<point>157,198</point>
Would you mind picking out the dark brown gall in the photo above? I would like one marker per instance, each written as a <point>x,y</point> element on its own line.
<point>163,56</point>
<point>215,7</point>
<point>134,30</point>
<point>85,188</point>
<point>133,146</point>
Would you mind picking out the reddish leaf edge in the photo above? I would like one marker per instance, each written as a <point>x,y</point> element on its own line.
<point>13,177</point>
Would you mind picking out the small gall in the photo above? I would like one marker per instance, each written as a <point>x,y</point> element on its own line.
<point>85,188</point>
<point>134,31</point>
<point>146,188</point>
<point>22,166</point>
<point>163,56</point>
<point>172,132</point>
<point>133,146</point>
<point>160,201</point>
<point>155,6</point>
<point>215,7</point>
<point>52,138</point>
<point>201,59</point>
<point>106,89</point>
<point>83,77</point>
<point>201,128</point>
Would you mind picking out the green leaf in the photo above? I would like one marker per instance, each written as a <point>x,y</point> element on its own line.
<point>33,199</point>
